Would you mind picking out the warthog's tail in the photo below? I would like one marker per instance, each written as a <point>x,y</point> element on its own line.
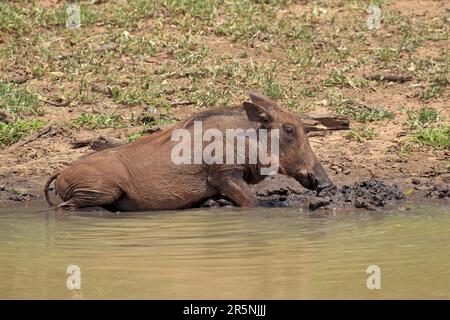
<point>47,185</point>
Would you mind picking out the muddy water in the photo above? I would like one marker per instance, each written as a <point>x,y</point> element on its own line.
<point>225,253</point>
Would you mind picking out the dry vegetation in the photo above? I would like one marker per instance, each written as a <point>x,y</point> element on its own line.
<point>136,65</point>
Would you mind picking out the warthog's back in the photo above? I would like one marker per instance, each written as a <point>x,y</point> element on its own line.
<point>144,171</point>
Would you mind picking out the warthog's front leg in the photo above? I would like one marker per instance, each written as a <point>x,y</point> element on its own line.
<point>230,183</point>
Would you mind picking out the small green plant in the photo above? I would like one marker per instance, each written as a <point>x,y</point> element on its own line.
<point>362,134</point>
<point>13,132</point>
<point>363,113</point>
<point>12,18</point>
<point>340,79</point>
<point>98,121</point>
<point>273,89</point>
<point>431,92</point>
<point>188,57</point>
<point>135,135</point>
<point>299,32</point>
<point>422,118</point>
<point>387,54</point>
<point>129,96</point>
<point>435,137</point>
<point>145,93</point>
<point>18,101</point>
<point>209,98</point>
<point>137,46</point>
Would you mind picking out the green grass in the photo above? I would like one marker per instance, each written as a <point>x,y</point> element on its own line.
<point>247,20</point>
<point>98,121</point>
<point>13,132</point>
<point>338,78</point>
<point>435,76</point>
<point>11,17</point>
<point>436,137</point>
<point>135,135</point>
<point>22,104</point>
<point>431,92</point>
<point>212,52</point>
<point>273,89</point>
<point>387,54</point>
<point>422,117</point>
<point>191,55</point>
<point>132,96</point>
<point>18,101</point>
<point>362,134</point>
<point>209,98</point>
<point>363,113</point>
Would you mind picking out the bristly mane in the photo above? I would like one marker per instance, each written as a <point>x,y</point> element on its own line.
<point>162,137</point>
<point>230,111</point>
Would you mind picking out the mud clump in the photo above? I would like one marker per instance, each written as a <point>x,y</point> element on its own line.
<point>439,192</point>
<point>317,202</point>
<point>434,191</point>
<point>369,194</point>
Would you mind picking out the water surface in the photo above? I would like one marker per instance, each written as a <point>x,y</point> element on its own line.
<point>225,253</point>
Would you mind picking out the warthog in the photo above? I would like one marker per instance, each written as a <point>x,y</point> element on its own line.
<point>143,176</point>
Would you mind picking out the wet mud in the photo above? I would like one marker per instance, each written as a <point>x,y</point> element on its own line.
<point>368,194</point>
<point>281,191</point>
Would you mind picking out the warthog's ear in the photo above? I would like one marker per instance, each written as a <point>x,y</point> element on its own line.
<point>262,101</point>
<point>257,113</point>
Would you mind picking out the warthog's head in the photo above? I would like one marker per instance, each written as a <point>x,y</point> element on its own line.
<point>296,158</point>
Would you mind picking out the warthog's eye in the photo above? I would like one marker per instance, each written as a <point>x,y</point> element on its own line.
<point>290,131</point>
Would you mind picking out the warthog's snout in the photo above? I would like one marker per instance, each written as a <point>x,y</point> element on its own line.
<point>316,179</point>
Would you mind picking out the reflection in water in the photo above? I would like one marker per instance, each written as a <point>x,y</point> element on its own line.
<point>225,253</point>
